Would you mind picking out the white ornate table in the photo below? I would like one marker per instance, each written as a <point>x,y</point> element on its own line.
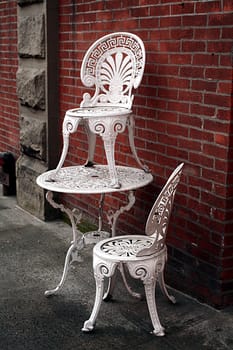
<point>90,180</point>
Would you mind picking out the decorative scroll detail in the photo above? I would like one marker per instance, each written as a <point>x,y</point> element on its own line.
<point>70,125</point>
<point>108,127</point>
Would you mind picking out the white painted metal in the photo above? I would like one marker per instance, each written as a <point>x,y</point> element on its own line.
<point>90,180</point>
<point>87,180</point>
<point>143,256</point>
<point>114,66</point>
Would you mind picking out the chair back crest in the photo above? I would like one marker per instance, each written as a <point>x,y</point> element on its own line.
<point>114,65</point>
<point>158,219</point>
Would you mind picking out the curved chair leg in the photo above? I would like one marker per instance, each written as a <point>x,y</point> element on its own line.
<point>69,126</point>
<point>88,325</point>
<point>91,145</point>
<point>132,145</point>
<point>109,146</point>
<point>127,286</point>
<point>150,298</point>
<point>108,295</point>
<point>164,288</point>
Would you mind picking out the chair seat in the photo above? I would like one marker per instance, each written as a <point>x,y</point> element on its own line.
<point>125,248</point>
<point>98,111</point>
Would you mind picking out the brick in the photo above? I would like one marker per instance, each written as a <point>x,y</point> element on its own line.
<point>182,8</point>
<point>178,82</point>
<point>202,110</point>
<point>200,159</point>
<point>208,7</point>
<point>227,33</point>
<point>180,59</point>
<point>220,19</point>
<point>194,20</point>
<point>201,134</point>
<point>217,100</point>
<point>205,59</point>
<point>216,126</point>
<point>218,73</point>
<point>194,121</point>
<point>194,72</point>
<point>204,85</point>
<point>178,33</point>
<point>193,46</point>
<point>219,46</point>
<point>217,176</point>
<point>192,96</point>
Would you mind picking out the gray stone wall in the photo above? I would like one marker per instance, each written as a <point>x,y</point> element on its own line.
<point>35,52</point>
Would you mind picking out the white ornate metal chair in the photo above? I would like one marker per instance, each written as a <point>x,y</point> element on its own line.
<point>114,66</point>
<point>144,256</point>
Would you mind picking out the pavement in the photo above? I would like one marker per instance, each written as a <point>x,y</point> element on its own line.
<point>32,256</point>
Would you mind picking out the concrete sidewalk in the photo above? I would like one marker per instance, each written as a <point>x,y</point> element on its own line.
<point>31,260</point>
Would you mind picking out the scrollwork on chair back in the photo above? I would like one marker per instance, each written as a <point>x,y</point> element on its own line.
<point>158,219</point>
<point>114,64</point>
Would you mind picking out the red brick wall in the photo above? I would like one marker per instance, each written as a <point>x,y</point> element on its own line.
<point>183,113</point>
<point>9,126</point>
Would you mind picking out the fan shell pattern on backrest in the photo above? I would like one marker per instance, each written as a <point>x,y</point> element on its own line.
<point>114,65</point>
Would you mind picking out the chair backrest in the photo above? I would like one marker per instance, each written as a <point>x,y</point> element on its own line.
<point>158,219</point>
<point>114,65</point>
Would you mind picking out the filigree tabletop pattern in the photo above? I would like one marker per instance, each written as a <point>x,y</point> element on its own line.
<point>96,179</point>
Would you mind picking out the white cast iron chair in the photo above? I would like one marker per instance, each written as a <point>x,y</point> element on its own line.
<point>144,256</point>
<point>114,66</point>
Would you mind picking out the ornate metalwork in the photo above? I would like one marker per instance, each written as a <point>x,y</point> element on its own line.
<point>81,179</point>
<point>126,247</point>
<point>114,64</point>
<point>95,179</point>
<point>143,256</point>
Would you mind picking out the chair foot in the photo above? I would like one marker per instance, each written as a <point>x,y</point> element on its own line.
<point>159,332</point>
<point>87,326</point>
<point>107,297</point>
<point>172,299</point>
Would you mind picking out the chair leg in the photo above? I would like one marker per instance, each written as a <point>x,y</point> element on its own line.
<point>127,286</point>
<point>91,145</point>
<point>89,324</point>
<point>150,298</point>
<point>164,288</point>
<point>69,126</point>
<point>108,295</point>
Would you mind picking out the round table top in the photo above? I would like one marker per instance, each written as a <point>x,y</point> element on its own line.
<point>92,180</point>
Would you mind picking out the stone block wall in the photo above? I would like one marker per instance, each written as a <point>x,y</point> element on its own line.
<point>35,104</point>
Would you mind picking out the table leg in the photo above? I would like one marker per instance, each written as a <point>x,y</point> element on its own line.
<point>91,145</point>
<point>113,216</point>
<point>77,243</point>
<point>94,237</point>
